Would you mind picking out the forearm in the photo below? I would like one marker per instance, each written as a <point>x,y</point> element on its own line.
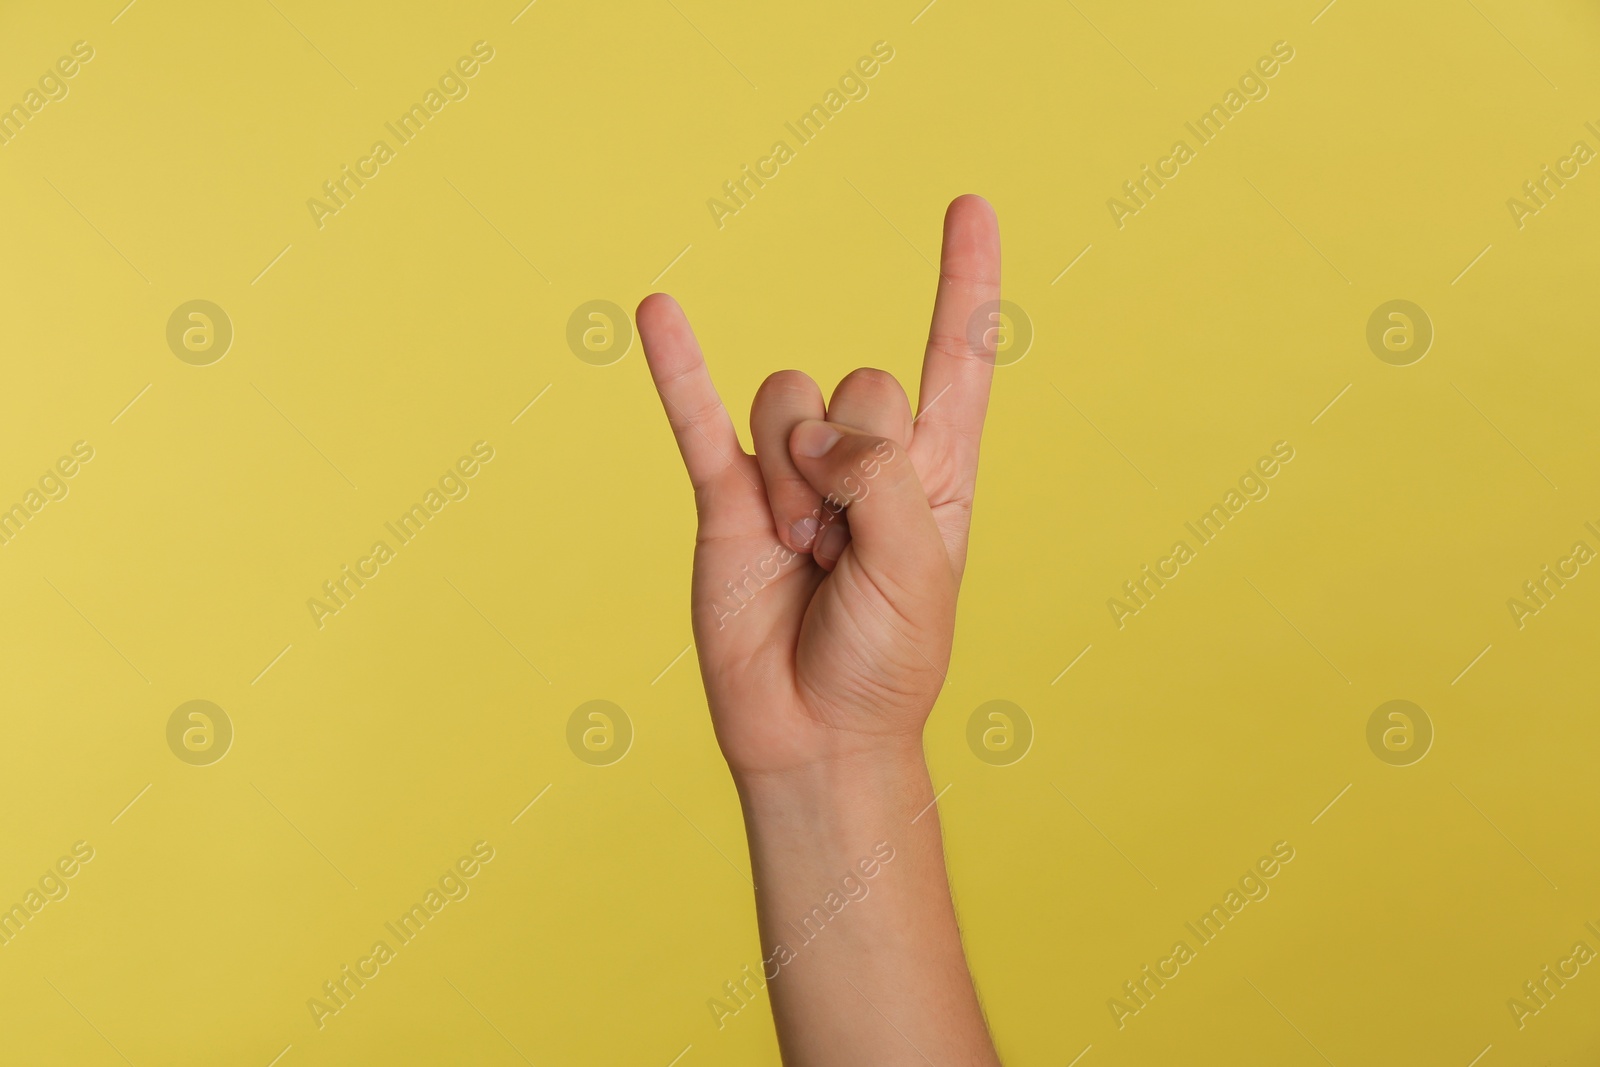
<point>859,940</point>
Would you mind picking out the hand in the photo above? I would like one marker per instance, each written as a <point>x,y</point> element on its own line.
<point>826,566</point>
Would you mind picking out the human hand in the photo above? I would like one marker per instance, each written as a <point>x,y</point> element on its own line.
<point>827,565</point>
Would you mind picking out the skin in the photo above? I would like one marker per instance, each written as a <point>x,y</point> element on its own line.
<point>844,539</point>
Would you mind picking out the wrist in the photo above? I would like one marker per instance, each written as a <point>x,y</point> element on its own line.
<point>842,798</point>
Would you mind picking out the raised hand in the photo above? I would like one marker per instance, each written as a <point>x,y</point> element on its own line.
<point>827,565</point>
<point>825,578</point>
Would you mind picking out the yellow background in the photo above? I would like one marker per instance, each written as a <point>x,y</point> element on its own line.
<point>429,312</point>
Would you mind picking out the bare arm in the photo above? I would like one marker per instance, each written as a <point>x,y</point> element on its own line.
<point>857,929</point>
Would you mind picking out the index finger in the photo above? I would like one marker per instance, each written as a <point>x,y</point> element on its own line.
<point>705,434</point>
<point>959,363</point>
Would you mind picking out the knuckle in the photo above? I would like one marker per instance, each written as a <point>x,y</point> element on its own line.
<point>787,383</point>
<point>975,281</point>
<point>872,380</point>
<point>702,414</point>
<point>956,344</point>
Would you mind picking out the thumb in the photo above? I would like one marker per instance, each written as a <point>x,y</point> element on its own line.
<point>891,526</point>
